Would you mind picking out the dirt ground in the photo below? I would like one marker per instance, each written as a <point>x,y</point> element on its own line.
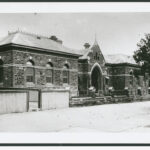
<point>128,117</point>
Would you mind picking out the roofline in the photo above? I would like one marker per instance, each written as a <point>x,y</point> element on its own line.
<point>40,49</point>
<point>123,64</point>
<point>83,58</point>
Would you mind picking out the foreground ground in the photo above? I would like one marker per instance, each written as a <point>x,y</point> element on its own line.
<point>129,117</point>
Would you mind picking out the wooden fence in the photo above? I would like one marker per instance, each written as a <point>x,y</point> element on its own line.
<point>13,101</point>
<point>23,100</point>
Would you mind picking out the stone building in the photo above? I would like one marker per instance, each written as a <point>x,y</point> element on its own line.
<point>119,74</point>
<point>32,61</point>
<point>38,62</point>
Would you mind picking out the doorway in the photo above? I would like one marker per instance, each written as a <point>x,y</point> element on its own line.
<point>34,99</point>
<point>96,78</point>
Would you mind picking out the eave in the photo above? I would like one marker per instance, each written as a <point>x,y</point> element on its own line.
<point>39,49</point>
<point>123,64</point>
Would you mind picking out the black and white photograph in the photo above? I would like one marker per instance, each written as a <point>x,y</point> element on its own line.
<point>75,72</point>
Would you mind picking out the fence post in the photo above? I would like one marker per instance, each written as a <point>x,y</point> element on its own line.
<point>40,99</point>
<point>27,100</point>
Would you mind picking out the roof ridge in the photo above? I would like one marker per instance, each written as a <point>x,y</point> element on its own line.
<point>14,37</point>
<point>28,33</point>
<point>31,40</point>
<point>9,36</point>
<point>118,54</point>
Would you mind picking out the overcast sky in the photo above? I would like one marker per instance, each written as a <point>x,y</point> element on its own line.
<point>115,32</point>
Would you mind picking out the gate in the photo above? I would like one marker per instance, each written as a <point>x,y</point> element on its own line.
<point>34,99</point>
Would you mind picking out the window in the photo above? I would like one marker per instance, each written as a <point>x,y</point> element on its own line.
<point>131,72</point>
<point>138,81</point>
<point>139,92</point>
<point>30,71</point>
<point>66,74</point>
<point>96,57</point>
<point>1,71</point>
<point>106,81</point>
<point>49,73</point>
<point>131,81</point>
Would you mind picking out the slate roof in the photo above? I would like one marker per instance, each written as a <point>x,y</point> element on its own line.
<point>40,42</point>
<point>85,52</point>
<point>119,58</point>
<point>35,41</point>
<point>111,59</point>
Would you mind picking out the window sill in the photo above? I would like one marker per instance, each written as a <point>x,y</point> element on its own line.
<point>49,84</point>
<point>30,84</point>
<point>65,84</point>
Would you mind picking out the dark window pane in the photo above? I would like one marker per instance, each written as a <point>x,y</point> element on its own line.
<point>29,74</point>
<point>49,72</point>
<point>30,71</point>
<point>29,78</point>
<point>65,73</point>
<point>65,80</point>
<point>49,75</point>
<point>106,81</point>
<point>49,79</point>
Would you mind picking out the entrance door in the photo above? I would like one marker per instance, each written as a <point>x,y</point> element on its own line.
<point>96,78</point>
<point>34,99</point>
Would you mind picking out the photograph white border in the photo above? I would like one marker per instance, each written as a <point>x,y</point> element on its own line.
<point>74,7</point>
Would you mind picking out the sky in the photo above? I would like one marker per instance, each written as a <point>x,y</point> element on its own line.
<point>116,33</point>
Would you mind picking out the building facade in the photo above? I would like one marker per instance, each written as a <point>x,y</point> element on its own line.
<point>37,62</point>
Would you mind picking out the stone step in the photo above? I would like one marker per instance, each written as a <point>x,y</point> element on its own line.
<point>87,100</point>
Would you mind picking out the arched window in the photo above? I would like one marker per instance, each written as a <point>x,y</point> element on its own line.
<point>49,73</point>
<point>1,71</point>
<point>131,72</point>
<point>66,74</point>
<point>30,71</point>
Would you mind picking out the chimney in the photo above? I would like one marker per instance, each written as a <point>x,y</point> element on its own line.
<point>54,38</point>
<point>86,45</point>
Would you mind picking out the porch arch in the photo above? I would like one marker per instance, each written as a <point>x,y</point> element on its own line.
<point>96,77</point>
